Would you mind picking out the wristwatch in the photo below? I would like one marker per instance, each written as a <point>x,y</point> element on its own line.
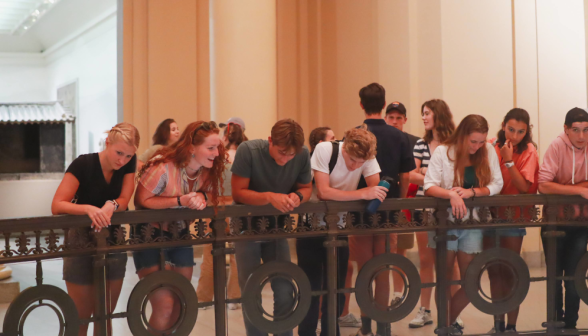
<point>115,203</point>
<point>509,164</point>
<point>299,195</point>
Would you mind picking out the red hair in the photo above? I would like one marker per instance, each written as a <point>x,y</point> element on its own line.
<point>179,154</point>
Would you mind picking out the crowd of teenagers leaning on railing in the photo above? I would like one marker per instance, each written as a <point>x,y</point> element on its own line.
<point>209,166</point>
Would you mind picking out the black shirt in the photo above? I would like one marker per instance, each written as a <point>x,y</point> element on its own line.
<point>394,153</point>
<point>93,189</point>
<point>412,140</point>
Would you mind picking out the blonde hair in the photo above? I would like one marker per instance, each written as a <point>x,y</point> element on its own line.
<point>360,143</point>
<point>124,132</point>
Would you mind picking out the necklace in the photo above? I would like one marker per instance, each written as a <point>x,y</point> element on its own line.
<point>195,176</point>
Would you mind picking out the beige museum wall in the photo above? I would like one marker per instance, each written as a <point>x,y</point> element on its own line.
<point>307,60</point>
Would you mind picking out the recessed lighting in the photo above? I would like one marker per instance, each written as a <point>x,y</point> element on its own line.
<point>25,27</point>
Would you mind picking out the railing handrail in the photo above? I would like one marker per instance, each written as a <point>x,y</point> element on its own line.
<point>238,210</point>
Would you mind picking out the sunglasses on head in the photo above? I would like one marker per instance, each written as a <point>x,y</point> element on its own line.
<point>207,126</point>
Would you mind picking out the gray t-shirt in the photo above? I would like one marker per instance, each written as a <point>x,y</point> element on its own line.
<point>254,162</point>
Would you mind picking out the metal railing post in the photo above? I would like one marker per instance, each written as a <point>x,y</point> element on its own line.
<point>220,276</point>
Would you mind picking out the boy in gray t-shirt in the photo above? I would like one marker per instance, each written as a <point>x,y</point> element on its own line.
<point>277,172</point>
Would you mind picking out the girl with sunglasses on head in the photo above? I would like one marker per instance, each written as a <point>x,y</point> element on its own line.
<point>188,173</point>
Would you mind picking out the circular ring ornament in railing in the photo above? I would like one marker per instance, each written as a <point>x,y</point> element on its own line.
<point>174,282</point>
<point>251,296</point>
<point>28,300</point>
<point>580,276</point>
<point>363,285</point>
<point>518,291</point>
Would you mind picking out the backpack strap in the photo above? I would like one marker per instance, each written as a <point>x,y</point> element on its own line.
<point>334,156</point>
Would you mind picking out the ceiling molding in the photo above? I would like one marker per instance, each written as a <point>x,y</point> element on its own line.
<point>89,26</point>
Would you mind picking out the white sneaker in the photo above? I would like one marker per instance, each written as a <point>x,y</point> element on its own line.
<point>422,319</point>
<point>349,321</point>
<point>234,306</point>
<point>460,322</point>
<point>205,308</point>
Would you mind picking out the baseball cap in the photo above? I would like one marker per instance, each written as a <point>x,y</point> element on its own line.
<point>234,120</point>
<point>396,107</point>
<point>576,115</point>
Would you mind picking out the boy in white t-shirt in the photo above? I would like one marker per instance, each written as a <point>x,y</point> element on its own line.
<point>337,168</point>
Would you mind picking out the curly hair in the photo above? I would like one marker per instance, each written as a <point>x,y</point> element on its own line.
<point>360,143</point>
<point>442,118</point>
<point>179,153</point>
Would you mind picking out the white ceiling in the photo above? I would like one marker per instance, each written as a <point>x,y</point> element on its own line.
<point>63,19</point>
<point>15,14</point>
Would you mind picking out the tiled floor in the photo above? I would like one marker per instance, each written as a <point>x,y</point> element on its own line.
<point>43,321</point>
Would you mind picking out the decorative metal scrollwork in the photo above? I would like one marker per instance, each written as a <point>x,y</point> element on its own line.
<point>251,296</point>
<point>367,274</point>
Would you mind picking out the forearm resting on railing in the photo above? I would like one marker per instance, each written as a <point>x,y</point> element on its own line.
<point>560,189</point>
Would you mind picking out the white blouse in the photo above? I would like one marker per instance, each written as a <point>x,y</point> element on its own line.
<point>440,173</point>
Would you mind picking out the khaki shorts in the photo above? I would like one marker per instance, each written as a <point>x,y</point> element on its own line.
<point>405,241</point>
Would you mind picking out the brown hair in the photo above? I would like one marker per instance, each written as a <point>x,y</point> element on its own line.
<point>161,135</point>
<point>520,115</point>
<point>442,118</point>
<point>179,154</point>
<point>317,135</point>
<point>289,134</point>
<point>458,141</point>
<point>360,143</point>
<point>235,135</point>
<point>124,132</point>
<point>373,98</point>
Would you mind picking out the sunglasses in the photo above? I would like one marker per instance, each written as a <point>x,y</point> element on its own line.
<point>207,126</point>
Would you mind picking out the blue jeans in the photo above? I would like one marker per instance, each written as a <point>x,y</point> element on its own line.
<point>569,251</point>
<point>249,256</point>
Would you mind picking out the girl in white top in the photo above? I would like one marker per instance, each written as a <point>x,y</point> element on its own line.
<point>465,166</point>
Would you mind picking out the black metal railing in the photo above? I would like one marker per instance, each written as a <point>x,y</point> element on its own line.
<point>43,238</point>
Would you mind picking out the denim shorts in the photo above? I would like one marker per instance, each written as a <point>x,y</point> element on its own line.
<point>468,241</point>
<point>175,256</point>
<point>514,232</point>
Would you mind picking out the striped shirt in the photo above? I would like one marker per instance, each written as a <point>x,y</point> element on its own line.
<point>422,153</point>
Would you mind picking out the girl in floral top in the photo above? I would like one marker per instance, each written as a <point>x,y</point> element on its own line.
<point>189,174</point>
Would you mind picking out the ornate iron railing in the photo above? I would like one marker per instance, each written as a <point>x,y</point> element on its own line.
<point>55,237</point>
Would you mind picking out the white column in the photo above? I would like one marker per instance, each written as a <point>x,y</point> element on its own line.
<point>243,63</point>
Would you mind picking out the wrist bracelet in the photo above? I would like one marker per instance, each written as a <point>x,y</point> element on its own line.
<point>179,202</point>
<point>205,197</point>
<point>474,191</point>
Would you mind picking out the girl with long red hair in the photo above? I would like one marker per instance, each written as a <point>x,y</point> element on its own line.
<point>188,173</point>
<point>465,166</point>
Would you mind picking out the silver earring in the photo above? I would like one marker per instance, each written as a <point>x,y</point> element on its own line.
<point>193,155</point>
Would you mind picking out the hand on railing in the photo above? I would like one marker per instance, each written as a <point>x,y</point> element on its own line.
<point>282,202</point>
<point>193,201</point>
<point>100,216</point>
<point>457,205</point>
